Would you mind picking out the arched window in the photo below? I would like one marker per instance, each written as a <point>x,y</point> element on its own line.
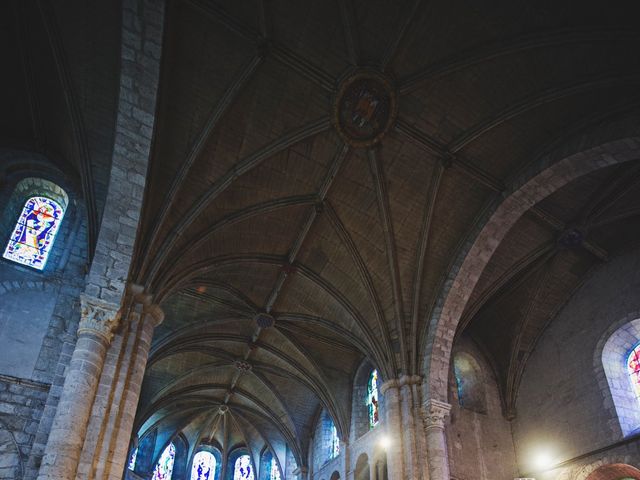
<point>372,399</point>
<point>164,467</point>
<point>335,442</point>
<point>274,471</point>
<point>469,382</point>
<point>242,469</point>
<point>204,466</point>
<point>34,233</point>
<point>132,459</point>
<point>633,366</point>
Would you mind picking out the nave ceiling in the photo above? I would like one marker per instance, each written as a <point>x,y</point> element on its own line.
<point>256,204</point>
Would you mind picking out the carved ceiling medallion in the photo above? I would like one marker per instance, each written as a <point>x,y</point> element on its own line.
<point>364,109</point>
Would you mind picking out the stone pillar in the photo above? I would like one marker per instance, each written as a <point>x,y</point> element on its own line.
<point>301,473</point>
<point>435,416</point>
<point>393,427</point>
<point>410,426</point>
<point>151,317</point>
<point>97,323</point>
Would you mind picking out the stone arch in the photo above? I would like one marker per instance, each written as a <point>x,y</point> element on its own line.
<point>616,471</point>
<point>362,468</point>
<point>538,182</point>
<point>379,465</point>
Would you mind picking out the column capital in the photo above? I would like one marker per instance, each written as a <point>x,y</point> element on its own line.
<point>435,413</point>
<point>409,380</point>
<point>98,317</point>
<point>388,385</point>
<point>155,312</point>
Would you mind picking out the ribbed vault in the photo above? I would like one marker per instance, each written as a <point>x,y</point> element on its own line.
<point>256,205</point>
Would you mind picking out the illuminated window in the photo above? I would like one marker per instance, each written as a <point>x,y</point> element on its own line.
<point>335,442</point>
<point>35,231</point>
<point>243,469</point>
<point>204,466</point>
<point>633,366</point>
<point>132,459</point>
<point>164,467</point>
<point>469,382</point>
<point>372,399</point>
<point>274,471</point>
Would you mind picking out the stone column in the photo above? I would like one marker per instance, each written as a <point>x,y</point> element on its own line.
<point>410,427</point>
<point>393,427</point>
<point>97,323</point>
<point>151,317</point>
<point>435,416</point>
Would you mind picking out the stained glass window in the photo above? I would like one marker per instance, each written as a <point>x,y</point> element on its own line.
<point>274,471</point>
<point>633,365</point>
<point>204,466</point>
<point>243,469</point>
<point>35,231</point>
<point>132,459</point>
<point>372,399</point>
<point>335,442</point>
<point>164,467</point>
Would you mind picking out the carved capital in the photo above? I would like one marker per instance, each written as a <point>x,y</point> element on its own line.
<point>155,312</point>
<point>98,317</point>
<point>435,413</point>
<point>388,385</point>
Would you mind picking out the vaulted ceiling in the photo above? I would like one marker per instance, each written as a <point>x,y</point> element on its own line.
<point>256,205</point>
<point>59,91</point>
<point>284,256</point>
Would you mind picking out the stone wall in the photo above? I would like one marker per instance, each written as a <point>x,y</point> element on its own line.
<point>39,314</point>
<point>479,441</point>
<point>564,404</point>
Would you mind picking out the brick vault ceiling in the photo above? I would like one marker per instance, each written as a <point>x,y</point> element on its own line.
<point>256,204</point>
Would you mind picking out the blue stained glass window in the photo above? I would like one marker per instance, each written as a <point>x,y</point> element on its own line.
<point>164,467</point>
<point>335,442</point>
<point>132,459</point>
<point>242,469</point>
<point>274,473</point>
<point>35,231</point>
<point>204,466</point>
<point>372,399</point>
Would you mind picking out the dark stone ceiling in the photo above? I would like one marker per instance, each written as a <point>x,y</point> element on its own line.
<point>255,203</point>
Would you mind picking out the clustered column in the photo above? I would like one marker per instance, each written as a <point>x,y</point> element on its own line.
<point>435,415</point>
<point>98,321</point>
<point>150,318</point>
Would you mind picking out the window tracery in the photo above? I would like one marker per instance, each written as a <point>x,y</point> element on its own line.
<point>372,399</point>
<point>164,467</point>
<point>274,471</point>
<point>335,442</point>
<point>35,231</point>
<point>132,459</point>
<point>242,468</point>
<point>204,466</point>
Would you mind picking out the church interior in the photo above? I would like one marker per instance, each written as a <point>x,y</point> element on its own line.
<point>320,240</point>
